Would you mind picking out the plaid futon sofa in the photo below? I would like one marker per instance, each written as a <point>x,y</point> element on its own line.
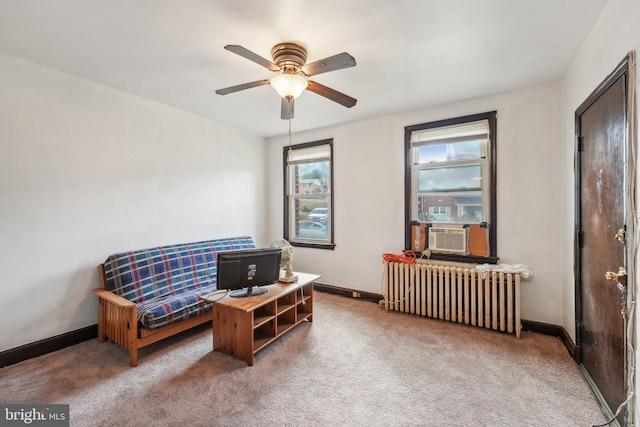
<point>150,294</point>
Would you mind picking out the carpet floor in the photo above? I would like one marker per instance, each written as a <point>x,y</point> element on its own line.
<point>355,365</point>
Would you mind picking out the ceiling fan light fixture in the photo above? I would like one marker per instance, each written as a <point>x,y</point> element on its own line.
<point>289,85</point>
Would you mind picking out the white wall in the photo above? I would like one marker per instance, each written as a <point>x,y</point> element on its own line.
<point>369,193</point>
<point>86,171</point>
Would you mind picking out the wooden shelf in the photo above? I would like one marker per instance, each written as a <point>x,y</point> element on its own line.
<point>284,307</point>
<point>261,320</point>
<point>261,342</point>
<point>244,326</point>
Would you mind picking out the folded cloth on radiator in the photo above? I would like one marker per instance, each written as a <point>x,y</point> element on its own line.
<point>523,270</point>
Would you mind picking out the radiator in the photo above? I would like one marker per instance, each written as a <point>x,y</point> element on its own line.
<point>459,294</point>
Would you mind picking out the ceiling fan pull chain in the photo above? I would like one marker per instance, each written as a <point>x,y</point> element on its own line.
<point>289,155</point>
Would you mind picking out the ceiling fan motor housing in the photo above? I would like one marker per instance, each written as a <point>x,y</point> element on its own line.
<point>289,55</point>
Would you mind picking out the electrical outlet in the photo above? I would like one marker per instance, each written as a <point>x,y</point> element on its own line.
<point>355,294</point>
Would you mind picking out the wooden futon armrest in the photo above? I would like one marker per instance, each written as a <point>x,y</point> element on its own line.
<point>113,298</point>
<point>117,320</point>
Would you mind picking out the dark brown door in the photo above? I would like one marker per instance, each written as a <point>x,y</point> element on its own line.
<point>601,212</point>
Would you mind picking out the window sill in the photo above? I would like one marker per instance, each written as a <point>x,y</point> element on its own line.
<point>329,246</point>
<point>472,259</point>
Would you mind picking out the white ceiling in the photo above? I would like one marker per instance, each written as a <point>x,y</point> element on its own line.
<point>411,54</point>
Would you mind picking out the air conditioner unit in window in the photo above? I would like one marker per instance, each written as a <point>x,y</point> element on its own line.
<point>448,240</point>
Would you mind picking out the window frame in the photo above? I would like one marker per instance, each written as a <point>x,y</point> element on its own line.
<point>491,118</point>
<point>287,197</point>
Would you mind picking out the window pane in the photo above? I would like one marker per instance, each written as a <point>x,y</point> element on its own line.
<point>466,177</point>
<point>311,218</point>
<point>312,178</point>
<point>468,150</point>
<point>463,208</point>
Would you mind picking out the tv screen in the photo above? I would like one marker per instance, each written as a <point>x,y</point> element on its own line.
<point>244,270</point>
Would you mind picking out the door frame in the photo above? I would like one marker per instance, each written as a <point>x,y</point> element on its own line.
<point>626,66</point>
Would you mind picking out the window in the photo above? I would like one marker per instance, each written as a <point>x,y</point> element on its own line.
<point>450,182</point>
<point>308,201</point>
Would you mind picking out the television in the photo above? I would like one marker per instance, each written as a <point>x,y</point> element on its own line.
<point>243,271</point>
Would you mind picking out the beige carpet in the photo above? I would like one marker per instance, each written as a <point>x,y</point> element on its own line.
<point>355,365</point>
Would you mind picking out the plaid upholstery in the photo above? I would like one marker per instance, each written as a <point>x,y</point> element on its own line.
<point>166,281</point>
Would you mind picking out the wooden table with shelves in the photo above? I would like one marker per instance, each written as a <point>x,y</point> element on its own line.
<point>244,326</point>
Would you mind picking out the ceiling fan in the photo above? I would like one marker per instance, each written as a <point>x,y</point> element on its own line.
<point>289,61</point>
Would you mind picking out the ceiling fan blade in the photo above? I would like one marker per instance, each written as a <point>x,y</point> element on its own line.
<point>243,86</point>
<point>286,109</point>
<point>246,53</point>
<point>332,94</point>
<point>332,63</point>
